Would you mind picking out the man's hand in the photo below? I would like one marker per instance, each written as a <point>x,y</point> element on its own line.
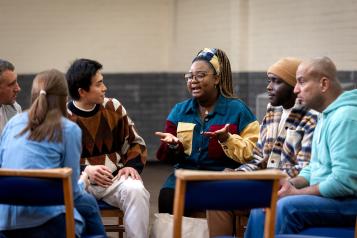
<point>168,138</point>
<point>221,134</point>
<point>129,171</point>
<point>99,175</point>
<point>286,188</point>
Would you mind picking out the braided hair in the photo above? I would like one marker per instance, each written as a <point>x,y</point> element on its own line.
<point>226,83</point>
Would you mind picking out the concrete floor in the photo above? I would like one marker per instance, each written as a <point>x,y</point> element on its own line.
<point>153,175</point>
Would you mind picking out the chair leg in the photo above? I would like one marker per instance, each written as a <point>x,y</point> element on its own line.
<point>120,222</point>
<point>241,221</point>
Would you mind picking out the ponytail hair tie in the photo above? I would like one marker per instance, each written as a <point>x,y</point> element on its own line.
<point>43,92</point>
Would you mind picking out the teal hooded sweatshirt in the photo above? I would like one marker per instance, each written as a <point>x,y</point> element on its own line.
<point>333,164</point>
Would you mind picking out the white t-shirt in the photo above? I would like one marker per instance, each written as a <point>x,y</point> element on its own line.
<point>283,118</point>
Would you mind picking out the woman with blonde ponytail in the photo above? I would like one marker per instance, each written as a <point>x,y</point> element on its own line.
<point>43,138</point>
<point>212,130</point>
<point>48,95</point>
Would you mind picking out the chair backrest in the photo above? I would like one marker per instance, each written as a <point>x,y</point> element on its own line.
<point>226,191</point>
<point>39,187</point>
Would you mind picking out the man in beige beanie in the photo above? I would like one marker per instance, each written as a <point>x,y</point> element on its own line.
<point>285,136</point>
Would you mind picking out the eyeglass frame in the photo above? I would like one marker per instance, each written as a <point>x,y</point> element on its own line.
<point>189,76</point>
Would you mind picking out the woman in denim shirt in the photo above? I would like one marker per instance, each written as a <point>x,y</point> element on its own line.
<point>43,138</point>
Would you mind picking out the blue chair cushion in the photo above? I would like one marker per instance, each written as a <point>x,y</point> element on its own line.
<point>298,236</point>
<point>19,191</point>
<point>322,232</point>
<point>336,232</point>
<point>199,194</point>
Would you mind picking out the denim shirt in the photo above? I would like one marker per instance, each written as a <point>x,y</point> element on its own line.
<point>17,152</point>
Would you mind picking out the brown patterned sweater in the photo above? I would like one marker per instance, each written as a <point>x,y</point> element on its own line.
<point>109,136</point>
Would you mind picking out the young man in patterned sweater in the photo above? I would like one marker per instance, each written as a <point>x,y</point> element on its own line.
<point>113,153</point>
<point>285,135</point>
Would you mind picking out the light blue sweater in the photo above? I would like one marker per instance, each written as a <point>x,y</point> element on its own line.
<point>333,162</point>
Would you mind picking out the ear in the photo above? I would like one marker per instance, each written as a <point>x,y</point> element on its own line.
<point>325,84</point>
<point>81,92</point>
<point>217,78</point>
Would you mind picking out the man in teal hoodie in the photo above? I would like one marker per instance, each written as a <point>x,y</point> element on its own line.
<point>325,192</point>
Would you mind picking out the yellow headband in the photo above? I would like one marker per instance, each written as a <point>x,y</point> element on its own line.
<point>209,54</point>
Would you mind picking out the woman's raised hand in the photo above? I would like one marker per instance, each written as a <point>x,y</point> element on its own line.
<point>167,138</point>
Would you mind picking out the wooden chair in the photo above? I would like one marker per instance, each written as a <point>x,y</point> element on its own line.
<point>39,187</point>
<point>226,191</point>
<point>107,210</point>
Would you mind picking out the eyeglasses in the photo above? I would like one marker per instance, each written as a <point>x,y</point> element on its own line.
<point>199,76</point>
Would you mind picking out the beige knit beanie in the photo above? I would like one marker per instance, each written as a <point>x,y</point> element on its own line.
<point>286,68</point>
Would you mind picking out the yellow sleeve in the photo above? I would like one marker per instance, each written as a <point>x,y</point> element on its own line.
<point>240,147</point>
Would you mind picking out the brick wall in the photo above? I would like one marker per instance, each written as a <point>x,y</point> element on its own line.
<point>305,28</point>
<point>125,36</point>
<point>163,35</point>
<point>146,45</point>
<point>149,97</point>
